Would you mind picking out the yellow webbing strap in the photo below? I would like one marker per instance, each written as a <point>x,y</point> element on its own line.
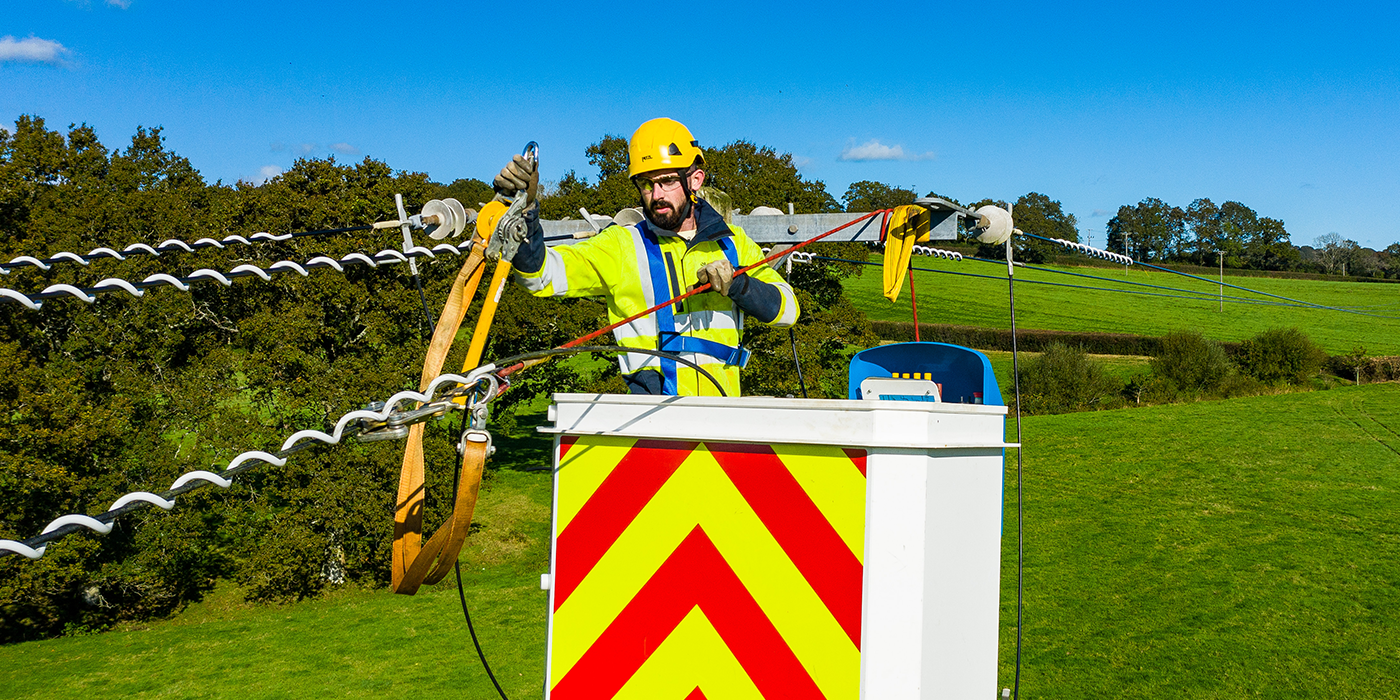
<point>488,313</point>
<point>909,224</point>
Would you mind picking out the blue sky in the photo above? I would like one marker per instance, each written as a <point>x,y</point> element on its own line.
<point>1290,108</point>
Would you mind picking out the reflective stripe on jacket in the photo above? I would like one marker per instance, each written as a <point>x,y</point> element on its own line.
<point>621,264</point>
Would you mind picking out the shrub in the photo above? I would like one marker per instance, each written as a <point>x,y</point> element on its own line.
<point>1065,379</point>
<point>1280,355</point>
<point>1031,340</point>
<point>1191,362</point>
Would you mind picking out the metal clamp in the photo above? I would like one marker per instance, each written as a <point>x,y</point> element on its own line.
<point>395,426</point>
<point>476,435</point>
<point>512,229</point>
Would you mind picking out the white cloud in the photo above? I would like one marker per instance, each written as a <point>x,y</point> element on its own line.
<point>124,4</point>
<point>874,150</point>
<point>345,149</point>
<point>267,172</point>
<point>1100,212</point>
<point>32,50</point>
<point>801,161</point>
<point>305,149</point>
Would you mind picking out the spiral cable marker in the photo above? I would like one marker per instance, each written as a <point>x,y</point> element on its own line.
<point>354,423</point>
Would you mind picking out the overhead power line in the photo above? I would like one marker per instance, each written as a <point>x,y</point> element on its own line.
<point>347,426</point>
<point>166,246</point>
<point>1077,247</point>
<point>110,285</point>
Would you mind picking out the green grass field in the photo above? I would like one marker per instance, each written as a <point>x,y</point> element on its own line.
<point>974,301</point>
<point>1242,548</point>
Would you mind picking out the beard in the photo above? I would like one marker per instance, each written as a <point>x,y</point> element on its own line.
<point>671,220</point>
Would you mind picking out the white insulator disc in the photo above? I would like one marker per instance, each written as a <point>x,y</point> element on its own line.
<point>995,223</point>
<point>438,232</point>
<point>459,213</point>
<point>628,217</point>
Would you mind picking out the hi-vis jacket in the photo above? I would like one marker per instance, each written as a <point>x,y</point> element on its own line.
<point>633,268</point>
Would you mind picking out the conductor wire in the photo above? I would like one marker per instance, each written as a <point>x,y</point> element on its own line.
<point>167,246</point>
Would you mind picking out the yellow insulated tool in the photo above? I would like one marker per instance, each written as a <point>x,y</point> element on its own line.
<point>909,224</point>
<point>486,223</point>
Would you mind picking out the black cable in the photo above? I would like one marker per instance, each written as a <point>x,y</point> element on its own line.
<point>457,567</point>
<point>456,475</point>
<point>1199,296</point>
<point>1204,295</point>
<point>1020,509</point>
<point>427,315</point>
<point>540,354</point>
<point>792,337</point>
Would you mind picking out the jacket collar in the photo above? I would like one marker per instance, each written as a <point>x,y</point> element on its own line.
<point>709,226</point>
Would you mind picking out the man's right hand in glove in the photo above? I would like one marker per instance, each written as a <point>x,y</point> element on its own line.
<point>519,174</point>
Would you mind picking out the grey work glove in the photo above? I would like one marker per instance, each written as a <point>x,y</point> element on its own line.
<point>718,274</point>
<point>519,174</point>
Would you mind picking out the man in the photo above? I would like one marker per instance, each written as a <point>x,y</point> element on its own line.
<point>682,243</point>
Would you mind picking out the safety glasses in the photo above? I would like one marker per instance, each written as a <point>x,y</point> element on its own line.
<point>666,183</point>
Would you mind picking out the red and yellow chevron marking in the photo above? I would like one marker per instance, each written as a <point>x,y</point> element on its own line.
<point>707,570</point>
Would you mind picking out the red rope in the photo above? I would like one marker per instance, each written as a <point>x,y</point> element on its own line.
<point>702,288</point>
<point>914,304</point>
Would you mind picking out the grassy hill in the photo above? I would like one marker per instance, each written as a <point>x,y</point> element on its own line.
<point>1243,548</point>
<point>974,301</point>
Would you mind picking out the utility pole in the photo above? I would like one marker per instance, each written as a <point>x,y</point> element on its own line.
<point>1221,254</point>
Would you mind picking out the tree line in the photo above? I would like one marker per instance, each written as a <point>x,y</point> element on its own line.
<point>126,394</point>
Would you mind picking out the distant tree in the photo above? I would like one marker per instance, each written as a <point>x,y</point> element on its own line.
<point>1389,260</point>
<point>944,197</point>
<point>1153,230</point>
<point>1268,248</point>
<point>612,192</point>
<point>1357,261</point>
<point>760,176</point>
<point>1342,256</point>
<point>1329,251</point>
<point>1208,238</point>
<point>868,195</point>
<point>470,191</point>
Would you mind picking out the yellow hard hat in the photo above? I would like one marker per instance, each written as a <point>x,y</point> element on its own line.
<point>662,144</point>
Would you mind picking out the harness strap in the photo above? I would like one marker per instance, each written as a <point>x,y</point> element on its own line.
<point>670,340</point>
<point>665,319</point>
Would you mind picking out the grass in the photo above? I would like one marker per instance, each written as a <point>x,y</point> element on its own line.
<point>1244,548</point>
<point>1224,549</point>
<point>354,643</point>
<point>974,301</point>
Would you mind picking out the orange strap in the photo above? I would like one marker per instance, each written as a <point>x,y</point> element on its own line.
<point>436,558</point>
<point>411,559</point>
